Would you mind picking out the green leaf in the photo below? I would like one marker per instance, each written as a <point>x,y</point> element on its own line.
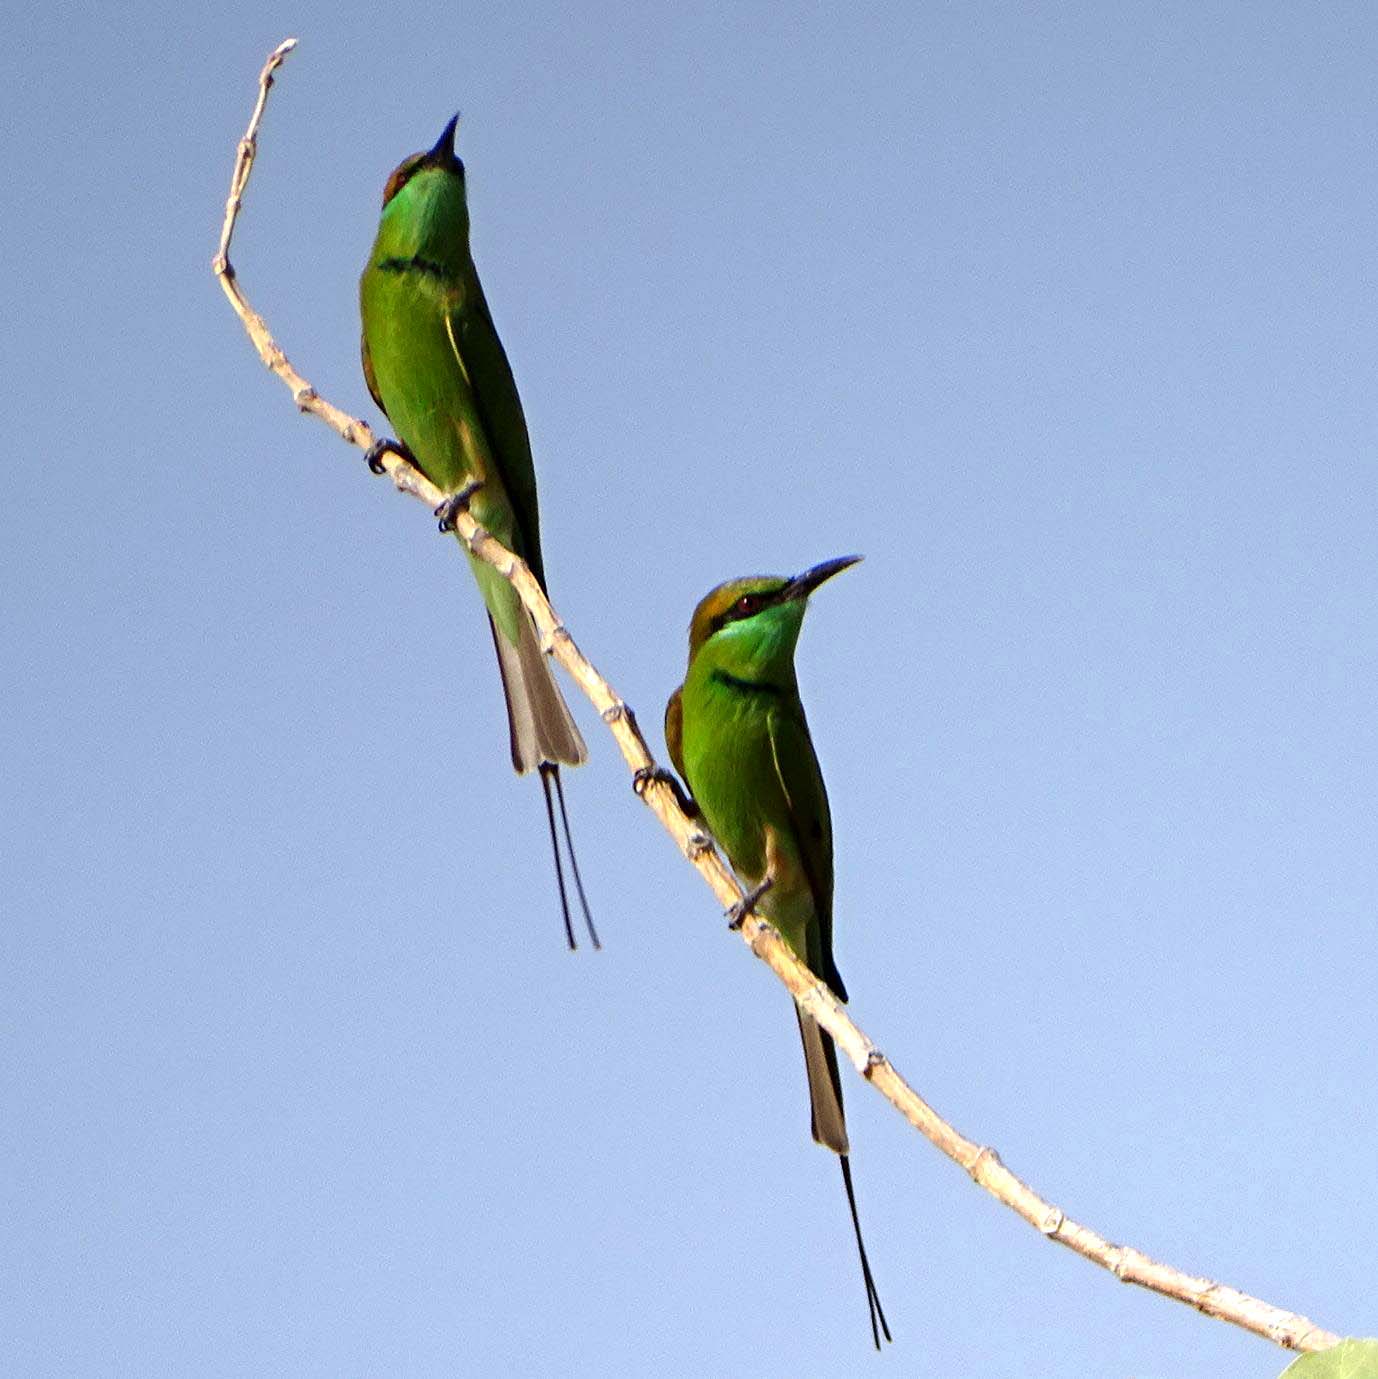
<point>1351,1359</point>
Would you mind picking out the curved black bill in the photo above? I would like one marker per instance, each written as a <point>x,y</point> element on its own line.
<point>444,151</point>
<point>801,586</point>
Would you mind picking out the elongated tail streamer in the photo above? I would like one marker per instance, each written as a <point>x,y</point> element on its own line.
<point>546,772</point>
<point>872,1297</point>
<point>573,860</point>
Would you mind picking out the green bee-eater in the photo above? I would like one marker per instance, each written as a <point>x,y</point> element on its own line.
<point>737,734</point>
<point>435,365</point>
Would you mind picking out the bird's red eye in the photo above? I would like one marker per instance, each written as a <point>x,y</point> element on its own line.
<point>748,604</point>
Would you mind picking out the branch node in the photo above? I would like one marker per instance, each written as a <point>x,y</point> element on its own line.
<point>615,713</point>
<point>983,1156</point>
<point>304,398</point>
<point>1202,1303</point>
<point>874,1059</point>
<point>1053,1221</point>
<point>762,932</point>
<point>1293,1339</point>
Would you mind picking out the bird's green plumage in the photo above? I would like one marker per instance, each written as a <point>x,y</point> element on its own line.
<point>737,734</point>
<point>437,368</point>
<point>739,737</point>
<point>434,363</point>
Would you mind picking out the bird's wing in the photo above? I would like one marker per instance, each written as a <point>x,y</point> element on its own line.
<point>807,800</point>
<point>369,376</point>
<point>674,731</point>
<point>483,363</point>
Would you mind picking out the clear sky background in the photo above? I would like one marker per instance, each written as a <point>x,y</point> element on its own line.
<point>1064,315</point>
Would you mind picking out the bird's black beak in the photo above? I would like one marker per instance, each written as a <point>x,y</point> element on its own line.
<point>801,586</point>
<point>443,154</point>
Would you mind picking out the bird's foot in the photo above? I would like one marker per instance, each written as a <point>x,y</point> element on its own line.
<point>647,774</point>
<point>457,503</point>
<point>738,913</point>
<point>373,456</point>
<point>644,775</point>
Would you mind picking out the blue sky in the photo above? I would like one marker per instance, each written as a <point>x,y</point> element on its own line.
<point>1064,316</point>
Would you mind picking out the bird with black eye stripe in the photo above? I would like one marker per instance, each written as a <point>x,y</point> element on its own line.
<point>435,365</point>
<point>738,736</point>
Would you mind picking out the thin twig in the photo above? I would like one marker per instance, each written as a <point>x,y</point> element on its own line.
<point>1285,1328</point>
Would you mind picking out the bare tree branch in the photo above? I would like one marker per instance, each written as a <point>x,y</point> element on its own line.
<point>1285,1328</point>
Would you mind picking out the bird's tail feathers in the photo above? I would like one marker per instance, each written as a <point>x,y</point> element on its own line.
<point>825,1085</point>
<point>542,731</point>
<point>879,1326</point>
<point>544,737</point>
<point>830,1130</point>
<point>550,775</point>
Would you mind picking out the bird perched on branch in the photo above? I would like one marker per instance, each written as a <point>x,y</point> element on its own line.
<point>434,364</point>
<point>737,734</point>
